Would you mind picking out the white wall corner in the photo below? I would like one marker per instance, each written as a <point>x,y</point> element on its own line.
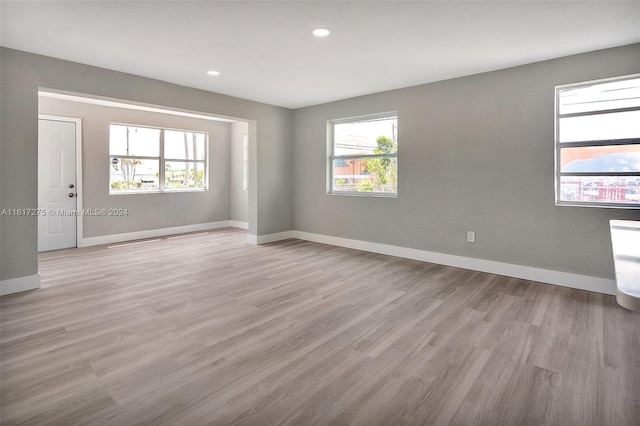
<point>238,224</point>
<point>547,276</point>
<point>269,238</point>
<point>16,285</point>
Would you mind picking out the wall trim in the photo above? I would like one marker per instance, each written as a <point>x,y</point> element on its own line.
<point>238,224</point>
<point>16,285</point>
<point>547,276</point>
<point>152,233</point>
<point>269,238</point>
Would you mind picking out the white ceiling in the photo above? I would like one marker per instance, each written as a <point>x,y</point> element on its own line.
<point>265,50</point>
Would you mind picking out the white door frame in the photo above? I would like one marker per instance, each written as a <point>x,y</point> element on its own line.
<point>79,191</point>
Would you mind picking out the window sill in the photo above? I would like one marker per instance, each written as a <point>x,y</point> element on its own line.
<point>163,191</point>
<point>599,205</point>
<point>365,194</point>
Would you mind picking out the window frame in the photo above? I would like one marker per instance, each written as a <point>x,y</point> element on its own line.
<point>245,162</point>
<point>559,174</point>
<point>162,160</point>
<point>332,157</point>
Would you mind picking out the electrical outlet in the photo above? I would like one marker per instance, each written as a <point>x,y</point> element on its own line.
<point>471,237</point>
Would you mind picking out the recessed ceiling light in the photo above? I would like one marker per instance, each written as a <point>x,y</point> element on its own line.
<point>321,32</point>
<point>213,72</point>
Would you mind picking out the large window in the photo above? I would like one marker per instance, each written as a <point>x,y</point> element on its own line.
<point>598,143</point>
<point>146,159</point>
<point>363,155</point>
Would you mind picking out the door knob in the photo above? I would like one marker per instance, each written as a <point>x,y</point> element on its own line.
<point>71,194</point>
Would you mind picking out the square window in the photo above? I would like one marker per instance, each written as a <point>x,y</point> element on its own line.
<point>363,156</point>
<point>134,141</point>
<point>184,145</point>
<point>129,174</point>
<point>184,175</point>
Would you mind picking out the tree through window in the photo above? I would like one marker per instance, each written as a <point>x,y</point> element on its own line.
<point>364,155</point>
<point>156,159</point>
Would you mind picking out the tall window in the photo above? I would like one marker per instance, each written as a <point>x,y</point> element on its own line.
<point>156,160</point>
<point>245,162</point>
<point>363,155</point>
<point>598,143</point>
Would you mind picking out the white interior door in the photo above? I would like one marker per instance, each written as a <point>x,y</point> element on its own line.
<point>56,184</point>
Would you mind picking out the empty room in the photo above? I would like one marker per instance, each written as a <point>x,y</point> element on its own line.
<point>320,212</point>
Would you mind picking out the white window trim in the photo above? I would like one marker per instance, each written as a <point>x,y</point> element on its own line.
<point>558,145</point>
<point>245,162</point>
<point>331,157</point>
<point>162,161</point>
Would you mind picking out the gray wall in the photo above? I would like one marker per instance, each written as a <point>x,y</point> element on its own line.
<point>239,197</point>
<point>145,211</point>
<point>475,153</point>
<point>270,204</point>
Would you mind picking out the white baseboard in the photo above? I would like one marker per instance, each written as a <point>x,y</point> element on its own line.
<point>238,224</point>
<point>153,233</point>
<point>269,238</point>
<point>565,279</point>
<point>16,285</point>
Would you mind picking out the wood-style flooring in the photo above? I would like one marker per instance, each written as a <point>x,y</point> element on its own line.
<point>207,329</point>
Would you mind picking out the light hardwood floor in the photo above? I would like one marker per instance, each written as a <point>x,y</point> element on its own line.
<point>207,329</point>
